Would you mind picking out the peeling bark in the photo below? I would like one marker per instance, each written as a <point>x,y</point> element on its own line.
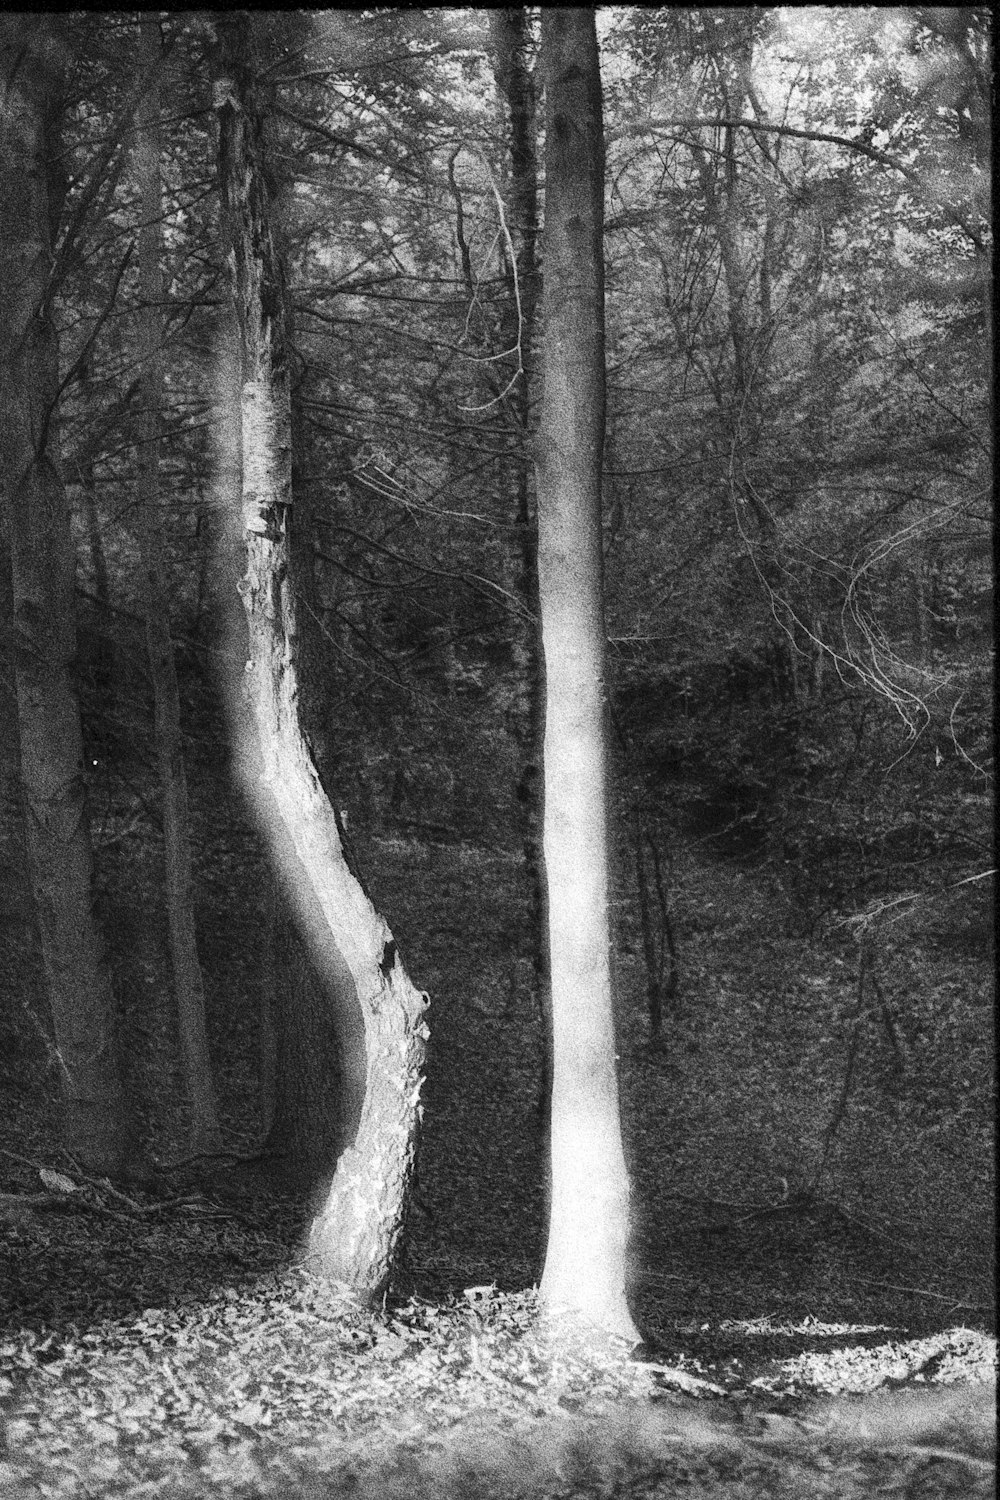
<point>353,1238</point>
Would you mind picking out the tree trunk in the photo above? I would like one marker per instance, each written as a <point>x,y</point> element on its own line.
<point>510,34</point>
<point>317,1097</point>
<point>20,977</point>
<point>267,996</point>
<point>585,1263</point>
<point>312,1117</point>
<point>42,577</point>
<point>204,1135</point>
<point>353,1238</point>
<point>91,519</point>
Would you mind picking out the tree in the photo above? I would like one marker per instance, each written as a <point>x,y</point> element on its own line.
<point>95,1122</point>
<point>585,1262</point>
<point>353,1238</point>
<point>511,41</point>
<point>205,1136</point>
<point>860,430</point>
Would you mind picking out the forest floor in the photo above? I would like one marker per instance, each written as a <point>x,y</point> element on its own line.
<point>812,1267</point>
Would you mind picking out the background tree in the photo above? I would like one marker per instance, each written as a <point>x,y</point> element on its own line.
<point>843,501</point>
<point>95,1119</point>
<point>205,1136</point>
<point>514,52</point>
<point>585,1263</point>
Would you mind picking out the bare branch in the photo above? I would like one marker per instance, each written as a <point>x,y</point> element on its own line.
<point>849,143</point>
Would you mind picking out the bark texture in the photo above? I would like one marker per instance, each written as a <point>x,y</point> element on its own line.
<point>318,1082</point>
<point>204,1136</point>
<point>516,82</point>
<point>316,1099</point>
<point>353,1238</point>
<point>585,1263</point>
<point>42,586</point>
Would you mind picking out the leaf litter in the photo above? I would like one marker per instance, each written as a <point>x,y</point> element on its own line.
<point>286,1388</point>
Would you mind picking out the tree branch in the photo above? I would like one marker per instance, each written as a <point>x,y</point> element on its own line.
<point>849,143</point>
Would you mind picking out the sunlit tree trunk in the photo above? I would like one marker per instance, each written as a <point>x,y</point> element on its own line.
<point>585,1263</point>
<point>353,1238</point>
<point>316,1094</point>
<point>42,586</point>
<point>204,1136</point>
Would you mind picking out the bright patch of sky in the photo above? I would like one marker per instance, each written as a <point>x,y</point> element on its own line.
<point>809,47</point>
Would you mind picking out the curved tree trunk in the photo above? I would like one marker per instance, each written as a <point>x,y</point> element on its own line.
<point>319,1072</point>
<point>585,1262</point>
<point>95,1121</point>
<point>353,1238</point>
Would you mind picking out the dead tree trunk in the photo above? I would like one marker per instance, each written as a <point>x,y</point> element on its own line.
<point>353,1238</point>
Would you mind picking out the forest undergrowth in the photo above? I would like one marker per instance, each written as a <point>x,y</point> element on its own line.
<point>812,1267</point>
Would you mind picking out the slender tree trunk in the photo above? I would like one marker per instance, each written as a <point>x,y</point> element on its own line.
<point>585,1263</point>
<point>88,502</point>
<point>510,34</point>
<point>204,1136</point>
<point>42,577</point>
<point>353,1238</point>
<point>103,644</point>
<point>267,1038</point>
<point>17,918</point>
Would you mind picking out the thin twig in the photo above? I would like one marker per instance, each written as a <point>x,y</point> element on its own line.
<point>101,1184</point>
<point>917,1291</point>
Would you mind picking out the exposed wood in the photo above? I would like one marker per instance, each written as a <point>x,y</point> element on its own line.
<point>353,1238</point>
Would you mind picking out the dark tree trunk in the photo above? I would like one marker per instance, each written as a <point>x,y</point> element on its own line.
<point>510,33</point>
<point>204,1135</point>
<point>42,581</point>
